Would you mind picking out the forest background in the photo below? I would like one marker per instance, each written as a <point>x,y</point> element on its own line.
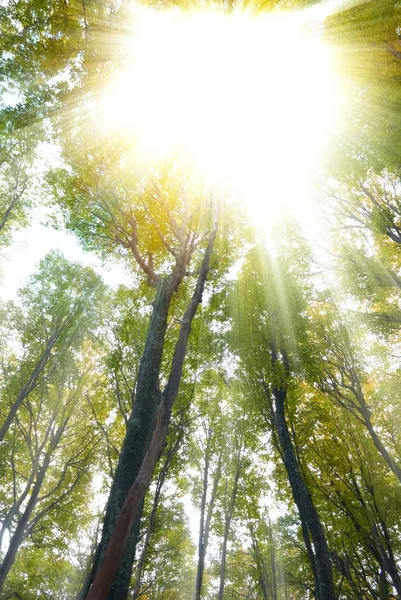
<point>199,390</point>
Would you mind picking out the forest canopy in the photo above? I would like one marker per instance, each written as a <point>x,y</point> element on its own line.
<point>200,308</point>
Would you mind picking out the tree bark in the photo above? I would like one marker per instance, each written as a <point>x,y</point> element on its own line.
<point>304,502</point>
<point>312,530</point>
<point>159,486</point>
<point>119,535</point>
<point>204,527</point>
<point>227,525</point>
<point>139,432</point>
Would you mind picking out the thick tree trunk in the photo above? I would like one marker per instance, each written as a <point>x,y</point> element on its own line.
<point>159,486</point>
<point>118,541</point>
<point>119,536</point>
<point>139,432</point>
<point>307,511</point>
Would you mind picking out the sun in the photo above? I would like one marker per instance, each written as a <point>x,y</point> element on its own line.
<point>247,101</point>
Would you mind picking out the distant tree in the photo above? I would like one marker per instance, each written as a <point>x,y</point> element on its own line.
<point>49,444</point>
<point>271,305</point>
<point>57,308</point>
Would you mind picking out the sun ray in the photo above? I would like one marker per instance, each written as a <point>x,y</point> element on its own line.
<point>247,101</point>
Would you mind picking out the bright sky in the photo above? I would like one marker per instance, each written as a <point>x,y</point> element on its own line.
<point>30,245</point>
<point>248,102</point>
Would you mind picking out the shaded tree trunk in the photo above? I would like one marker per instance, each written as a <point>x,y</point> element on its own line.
<point>204,527</point>
<point>312,530</point>
<point>139,432</point>
<point>120,536</point>
<point>159,486</point>
<point>227,525</point>
<point>306,508</point>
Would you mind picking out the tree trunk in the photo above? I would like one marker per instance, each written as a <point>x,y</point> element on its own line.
<point>19,534</point>
<point>227,525</point>
<point>379,445</point>
<point>273,562</point>
<point>201,544</point>
<point>139,432</point>
<point>303,500</point>
<point>119,536</point>
<point>204,528</point>
<point>30,384</point>
<point>105,576</point>
<point>160,483</point>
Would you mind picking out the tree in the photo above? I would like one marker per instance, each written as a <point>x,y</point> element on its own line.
<point>272,317</point>
<point>16,177</point>
<point>116,546</point>
<point>48,447</point>
<point>208,454</point>
<point>58,308</point>
<point>365,36</point>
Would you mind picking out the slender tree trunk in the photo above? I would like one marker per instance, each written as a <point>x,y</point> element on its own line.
<point>386,559</point>
<point>392,567</point>
<point>119,536</point>
<point>365,417</point>
<point>273,562</point>
<point>379,445</point>
<point>29,385</point>
<point>141,562</point>
<point>303,500</point>
<point>201,544</point>
<point>263,587</point>
<point>19,534</point>
<point>227,525</point>
<point>384,586</point>
<point>7,213</point>
<point>14,509</point>
<point>204,528</point>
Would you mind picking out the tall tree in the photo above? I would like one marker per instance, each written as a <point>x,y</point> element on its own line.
<point>130,510</point>
<point>175,219</point>
<point>271,315</point>
<point>48,447</point>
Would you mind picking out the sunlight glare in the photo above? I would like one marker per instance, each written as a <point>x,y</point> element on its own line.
<point>247,101</point>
